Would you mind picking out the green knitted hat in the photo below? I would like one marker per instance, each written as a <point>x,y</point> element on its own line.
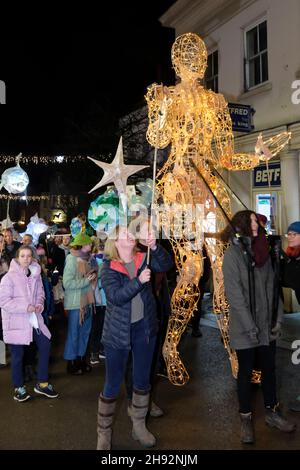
<point>81,239</point>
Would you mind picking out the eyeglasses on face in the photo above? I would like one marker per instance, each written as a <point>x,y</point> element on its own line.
<point>292,234</point>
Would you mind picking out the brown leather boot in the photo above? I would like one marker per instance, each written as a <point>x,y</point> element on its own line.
<point>106,410</point>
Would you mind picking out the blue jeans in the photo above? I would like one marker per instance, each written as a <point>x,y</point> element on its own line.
<point>17,351</point>
<point>78,335</point>
<point>142,349</point>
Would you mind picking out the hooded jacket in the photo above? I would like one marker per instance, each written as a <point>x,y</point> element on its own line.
<point>17,292</point>
<point>244,330</point>
<point>120,290</point>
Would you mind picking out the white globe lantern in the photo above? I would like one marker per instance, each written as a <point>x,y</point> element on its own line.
<point>15,180</point>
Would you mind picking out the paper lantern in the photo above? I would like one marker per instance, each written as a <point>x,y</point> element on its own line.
<point>35,227</point>
<point>15,180</point>
<point>105,212</point>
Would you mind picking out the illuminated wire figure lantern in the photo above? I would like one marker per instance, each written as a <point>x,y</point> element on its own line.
<point>197,123</point>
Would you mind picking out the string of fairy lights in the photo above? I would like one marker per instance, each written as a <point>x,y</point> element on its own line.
<point>41,197</point>
<point>49,159</point>
<point>42,160</point>
<point>12,197</point>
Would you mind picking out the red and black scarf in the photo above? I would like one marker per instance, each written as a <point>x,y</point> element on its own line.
<point>293,251</point>
<point>261,249</point>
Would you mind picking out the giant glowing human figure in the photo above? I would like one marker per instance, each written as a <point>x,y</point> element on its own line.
<point>197,123</point>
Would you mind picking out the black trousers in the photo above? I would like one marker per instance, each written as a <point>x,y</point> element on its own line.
<point>246,359</point>
<point>96,329</point>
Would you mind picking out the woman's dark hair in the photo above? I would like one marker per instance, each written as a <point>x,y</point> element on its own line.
<point>241,224</point>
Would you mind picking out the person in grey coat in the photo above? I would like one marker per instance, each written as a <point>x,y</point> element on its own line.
<point>255,321</point>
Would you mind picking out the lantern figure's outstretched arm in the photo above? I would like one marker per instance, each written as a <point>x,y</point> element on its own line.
<point>224,141</point>
<point>264,151</point>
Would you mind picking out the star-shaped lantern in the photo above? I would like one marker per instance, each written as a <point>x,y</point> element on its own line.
<point>116,172</point>
<point>6,223</point>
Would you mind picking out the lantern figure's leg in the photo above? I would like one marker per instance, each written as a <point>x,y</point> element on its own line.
<point>183,303</point>
<point>215,250</point>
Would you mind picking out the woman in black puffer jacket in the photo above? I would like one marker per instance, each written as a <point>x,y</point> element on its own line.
<point>130,324</point>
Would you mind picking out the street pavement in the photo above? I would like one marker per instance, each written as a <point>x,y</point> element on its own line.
<point>202,415</point>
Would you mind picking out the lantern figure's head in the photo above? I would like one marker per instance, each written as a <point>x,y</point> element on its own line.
<point>189,56</point>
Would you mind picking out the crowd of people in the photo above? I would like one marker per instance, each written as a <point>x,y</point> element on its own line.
<point>118,306</point>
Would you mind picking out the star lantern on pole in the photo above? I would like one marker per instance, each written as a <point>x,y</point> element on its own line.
<point>116,172</point>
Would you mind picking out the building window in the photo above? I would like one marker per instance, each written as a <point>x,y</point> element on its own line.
<point>211,75</point>
<point>256,61</point>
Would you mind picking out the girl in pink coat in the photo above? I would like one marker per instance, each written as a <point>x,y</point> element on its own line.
<point>22,303</point>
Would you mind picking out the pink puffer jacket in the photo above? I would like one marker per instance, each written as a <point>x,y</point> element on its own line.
<point>17,292</point>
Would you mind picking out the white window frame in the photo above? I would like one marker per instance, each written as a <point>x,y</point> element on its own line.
<point>246,59</point>
<point>214,75</point>
<point>278,208</point>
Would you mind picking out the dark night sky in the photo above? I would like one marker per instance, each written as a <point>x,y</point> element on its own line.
<point>68,80</point>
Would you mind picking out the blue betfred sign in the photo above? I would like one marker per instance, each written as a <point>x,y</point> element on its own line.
<point>241,116</point>
<point>261,177</point>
